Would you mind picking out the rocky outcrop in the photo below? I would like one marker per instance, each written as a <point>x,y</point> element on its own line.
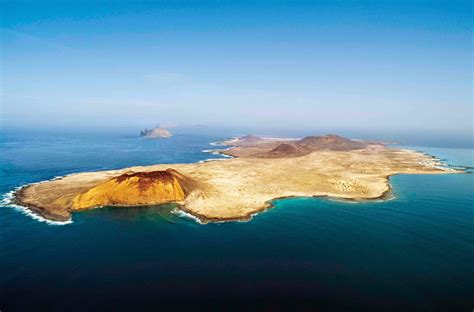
<point>155,133</point>
<point>331,142</point>
<point>284,150</point>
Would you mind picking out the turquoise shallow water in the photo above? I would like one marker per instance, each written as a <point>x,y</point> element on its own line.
<point>415,252</point>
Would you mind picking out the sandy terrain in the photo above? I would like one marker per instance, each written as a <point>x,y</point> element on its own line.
<point>235,189</point>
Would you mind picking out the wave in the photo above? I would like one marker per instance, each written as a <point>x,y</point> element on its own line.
<point>213,152</point>
<point>222,143</point>
<point>186,215</point>
<point>7,201</point>
<point>214,159</point>
<point>216,151</point>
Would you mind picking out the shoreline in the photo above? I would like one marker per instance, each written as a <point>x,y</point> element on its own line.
<point>15,196</point>
<point>430,163</point>
<point>386,195</point>
<point>37,210</point>
<point>18,194</point>
<point>202,219</point>
<point>9,200</point>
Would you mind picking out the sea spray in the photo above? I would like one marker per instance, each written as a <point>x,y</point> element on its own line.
<point>7,200</point>
<point>183,214</point>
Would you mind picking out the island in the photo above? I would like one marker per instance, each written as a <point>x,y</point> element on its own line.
<point>155,133</point>
<point>259,171</point>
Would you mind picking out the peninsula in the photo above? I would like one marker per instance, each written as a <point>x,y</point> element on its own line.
<point>261,170</point>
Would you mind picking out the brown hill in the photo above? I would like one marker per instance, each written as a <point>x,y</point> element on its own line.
<point>303,147</point>
<point>250,140</point>
<point>331,142</point>
<point>284,150</point>
<point>137,188</point>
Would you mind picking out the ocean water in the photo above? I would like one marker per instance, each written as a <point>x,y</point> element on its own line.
<point>412,253</point>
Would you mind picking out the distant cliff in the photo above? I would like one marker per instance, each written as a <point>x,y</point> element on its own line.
<point>155,133</point>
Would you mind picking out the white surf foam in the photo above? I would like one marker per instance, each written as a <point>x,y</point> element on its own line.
<point>7,201</point>
<point>214,159</point>
<point>186,215</point>
<point>216,151</point>
<point>213,152</point>
<point>223,143</point>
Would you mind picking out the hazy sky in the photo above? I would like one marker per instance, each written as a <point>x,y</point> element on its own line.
<point>379,65</point>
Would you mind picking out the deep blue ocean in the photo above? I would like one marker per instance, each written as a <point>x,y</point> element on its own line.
<point>412,253</point>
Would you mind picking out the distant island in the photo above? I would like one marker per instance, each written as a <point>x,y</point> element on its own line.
<point>155,133</point>
<point>259,171</point>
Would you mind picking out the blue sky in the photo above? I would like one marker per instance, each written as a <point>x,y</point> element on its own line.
<point>374,65</point>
